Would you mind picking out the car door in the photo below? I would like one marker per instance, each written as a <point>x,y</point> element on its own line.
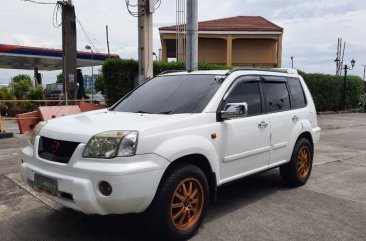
<point>246,141</point>
<point>285,121</point>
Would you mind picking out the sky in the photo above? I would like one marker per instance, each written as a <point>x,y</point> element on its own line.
<point>311,28</point>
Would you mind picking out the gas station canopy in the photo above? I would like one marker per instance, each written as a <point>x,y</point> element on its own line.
<point>24,57</point>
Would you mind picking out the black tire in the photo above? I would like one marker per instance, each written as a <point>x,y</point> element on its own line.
<point>297,171</point>
<point>160,213</point>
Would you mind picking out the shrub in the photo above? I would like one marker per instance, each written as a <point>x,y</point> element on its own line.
<point>119,76</point>
<point>160,67</point>
<point>354,91</point>
<point>5,94</point>
<point>363,103</point>
<point>22,89</point>
<point>204,66</point>
<point>327,91</point>
<point>35,93</point>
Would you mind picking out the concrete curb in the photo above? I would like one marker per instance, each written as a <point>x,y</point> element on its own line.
<point>339,112</point>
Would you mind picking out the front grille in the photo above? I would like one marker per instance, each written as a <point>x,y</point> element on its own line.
<point>56,150</point>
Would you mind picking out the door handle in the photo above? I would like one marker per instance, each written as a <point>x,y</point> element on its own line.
<point>262,125</point>
<point>295,118</point>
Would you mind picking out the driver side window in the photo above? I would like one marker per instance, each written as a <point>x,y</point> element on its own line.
<point>248,92</point>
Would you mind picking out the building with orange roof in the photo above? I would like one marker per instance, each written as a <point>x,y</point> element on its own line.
<point>237,41</point>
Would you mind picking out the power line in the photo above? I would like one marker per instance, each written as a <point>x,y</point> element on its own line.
<point>57,22</point>
<point>87,36</point>
<point>158,3</point>
<point>141,7</point>
<point>56,12</point>
<point>37,2</point>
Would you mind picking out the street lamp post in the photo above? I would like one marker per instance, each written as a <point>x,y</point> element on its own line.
<point>346,68</point>
<point>92,77</point>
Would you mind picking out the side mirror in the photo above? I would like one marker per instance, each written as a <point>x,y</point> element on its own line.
<point>234,110</point>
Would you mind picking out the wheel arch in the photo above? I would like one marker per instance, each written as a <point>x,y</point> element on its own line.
<point>201,162</point>
<point>307,135</point>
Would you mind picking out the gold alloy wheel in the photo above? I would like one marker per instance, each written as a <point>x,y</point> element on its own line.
<point>303,161</point>
<point>187,204</point>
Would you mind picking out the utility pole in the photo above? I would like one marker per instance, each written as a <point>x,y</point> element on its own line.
<point>338,57</point>
<point>69,49</point>
<point>146,8</point>
<point>106,31</point>
<point>192,36</point>
<point>364,72</point>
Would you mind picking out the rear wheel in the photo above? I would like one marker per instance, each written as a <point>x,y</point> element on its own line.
<point>180,204</point>
<point>297,171</point>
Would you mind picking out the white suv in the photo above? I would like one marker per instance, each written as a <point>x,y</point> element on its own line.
<point>164,148</point>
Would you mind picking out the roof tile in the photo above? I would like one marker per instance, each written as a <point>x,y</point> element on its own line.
<point>239,23</point>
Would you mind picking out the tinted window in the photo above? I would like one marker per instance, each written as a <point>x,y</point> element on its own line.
<point>171,95</point>
<point>298,97</point>
<point>276,96</point>
<point>247,92</point>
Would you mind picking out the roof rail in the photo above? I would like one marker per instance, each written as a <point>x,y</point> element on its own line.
<point>172,71</point>
<point>277,70</point>
<point>292,71</point>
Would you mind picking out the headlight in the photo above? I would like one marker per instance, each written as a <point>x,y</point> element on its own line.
<point>110,144</point>
<point>36,131</point>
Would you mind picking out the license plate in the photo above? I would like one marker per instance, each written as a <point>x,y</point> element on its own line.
<point>45,184</point>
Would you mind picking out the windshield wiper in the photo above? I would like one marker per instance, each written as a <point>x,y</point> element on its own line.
<point>165,112</point>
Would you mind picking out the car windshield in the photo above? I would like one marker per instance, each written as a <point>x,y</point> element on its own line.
<point>172,94</point>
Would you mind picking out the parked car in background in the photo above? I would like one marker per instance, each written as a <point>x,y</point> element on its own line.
<point>54,91</point>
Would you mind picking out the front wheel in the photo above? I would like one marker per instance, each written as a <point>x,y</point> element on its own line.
<point>297,171</point>
<point>180,204</point>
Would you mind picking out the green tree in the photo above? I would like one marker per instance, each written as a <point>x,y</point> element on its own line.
<point>20,77</point>
<point>99,84</point>
<point>21,88</point>
<point>60,78</point>
<point>5,93</point>
<point>36,93</point>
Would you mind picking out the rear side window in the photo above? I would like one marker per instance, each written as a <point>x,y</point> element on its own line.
<point>297,92</point>
<point>248,92</point>
<point>276,96</point>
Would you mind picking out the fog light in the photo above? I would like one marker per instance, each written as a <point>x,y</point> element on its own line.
<point>105,188</point>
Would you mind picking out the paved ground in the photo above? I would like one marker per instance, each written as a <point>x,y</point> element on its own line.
<point>332,206</point>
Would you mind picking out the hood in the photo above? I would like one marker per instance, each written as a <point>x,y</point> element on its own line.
<point>81,127</point>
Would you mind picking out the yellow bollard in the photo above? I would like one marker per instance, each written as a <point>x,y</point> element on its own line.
<point>1,125</point>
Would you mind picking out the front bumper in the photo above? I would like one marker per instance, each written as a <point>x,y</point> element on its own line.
<point>134,180</point>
